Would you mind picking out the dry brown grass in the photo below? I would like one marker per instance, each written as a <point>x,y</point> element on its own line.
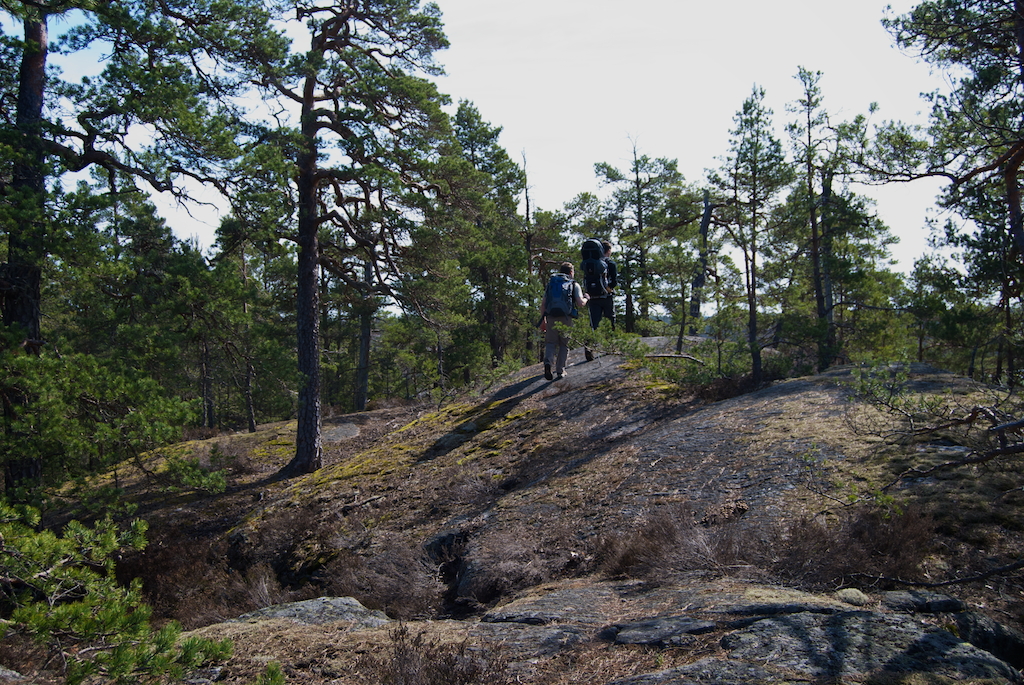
<point>419,659</point>
<point>500,563</point>
<point>861,548</point>
<point>192,582</point>
<point>864,548</point>
<point>672,542</point>
<point>535,498</point>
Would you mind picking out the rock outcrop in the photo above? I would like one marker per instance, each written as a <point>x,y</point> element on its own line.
<point>716,631</point>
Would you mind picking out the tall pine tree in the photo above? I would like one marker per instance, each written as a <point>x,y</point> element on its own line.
<point>754,174</point>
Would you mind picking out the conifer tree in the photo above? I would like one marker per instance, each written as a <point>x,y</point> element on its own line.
<point>61,592</point>
<point>491,246</point>
<point>986,250</point>
<point>638,195</point>
<point>976,134</point>
<point>168,71</point>
<point>833,230</point>
<point>366,122</point>
<point>754,173</point>
<point>810,134</point>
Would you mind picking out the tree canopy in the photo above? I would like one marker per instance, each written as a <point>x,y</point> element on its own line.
<point>379,244</point>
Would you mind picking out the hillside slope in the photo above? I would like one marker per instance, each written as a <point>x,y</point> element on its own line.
<point>600,528</point>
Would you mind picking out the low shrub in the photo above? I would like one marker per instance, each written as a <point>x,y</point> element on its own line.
<point>865,546</point>
<point>673,541</point>
<point>190,581</point>
<point>62,593</point>
<point>419,660</point>
<point>397,579</point>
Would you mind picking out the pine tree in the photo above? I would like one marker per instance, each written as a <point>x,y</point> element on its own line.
<point>810,135</point>
<point>975,135</point>
<point>489,244</point>
<point>367,122</point>
<point>638,195</point>
<point>754,174</point>
<point>167,69</point>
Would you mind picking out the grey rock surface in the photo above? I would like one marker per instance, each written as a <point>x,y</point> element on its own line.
<point>770,634</point>
<point>321,610</point>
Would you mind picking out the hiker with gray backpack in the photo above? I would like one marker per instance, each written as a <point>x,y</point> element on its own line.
<point>600,277</point>
<point>562,299</point>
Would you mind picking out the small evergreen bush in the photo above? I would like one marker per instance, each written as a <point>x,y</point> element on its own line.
<point>61,592</point>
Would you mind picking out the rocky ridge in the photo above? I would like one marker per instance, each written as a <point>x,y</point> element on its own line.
<point>701,627</point>
<point>481,526</point>
<point>729,632</point>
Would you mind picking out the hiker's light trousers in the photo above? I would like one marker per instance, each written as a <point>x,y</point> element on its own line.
<point>557,336</point>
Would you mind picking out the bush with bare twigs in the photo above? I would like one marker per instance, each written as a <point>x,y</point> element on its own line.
<point>420,660</point>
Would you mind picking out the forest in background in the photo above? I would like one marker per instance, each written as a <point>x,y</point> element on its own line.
<point>380,250</point>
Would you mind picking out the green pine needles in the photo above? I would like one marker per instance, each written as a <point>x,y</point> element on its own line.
<point>61,591</point>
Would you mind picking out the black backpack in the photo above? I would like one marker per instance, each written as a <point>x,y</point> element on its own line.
<point>594,268</point>
<point>559,296</point>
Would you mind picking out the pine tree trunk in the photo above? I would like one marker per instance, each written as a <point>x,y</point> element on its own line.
<point>207,384</point>
<point>363,363</point>
<point>752,331</point>
<point>250,409</point>
<point>831,338</point>
<point>700,278</point>
<point>21,287</point>
<point>682,322</point>
<point>366,312</point>
<point>308,438</point>
<point>630,313</point>
<point>26,250</point>
<point>20,278</point>
<point>1011,371</point>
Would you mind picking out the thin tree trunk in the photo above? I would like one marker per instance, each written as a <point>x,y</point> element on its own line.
<point>641,262</point>
<point>365,333</point>
<point>752,331</point>
<point>700,278</point>
<point>828,293</point>
<point>207,386</point>
<point>1011,369</point>
<point>626,276</point>
<point>250,408</point>
<point>363,364</point>
<point>495,339</point>
<point>824,360</point>
<point>682,323</point>
<point>1013,199</point>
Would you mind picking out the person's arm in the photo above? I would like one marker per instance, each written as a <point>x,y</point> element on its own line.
<point>581,297</point>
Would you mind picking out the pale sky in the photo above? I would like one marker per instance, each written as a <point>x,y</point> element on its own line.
<point>575,82</point>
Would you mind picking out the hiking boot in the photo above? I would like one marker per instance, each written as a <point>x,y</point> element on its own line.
<point>547,372</point>
<point>560,376</point>
<point>588,354</point>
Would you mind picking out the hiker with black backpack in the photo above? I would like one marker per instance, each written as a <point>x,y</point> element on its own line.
<point>600,276</point>
<point>562,298</point>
